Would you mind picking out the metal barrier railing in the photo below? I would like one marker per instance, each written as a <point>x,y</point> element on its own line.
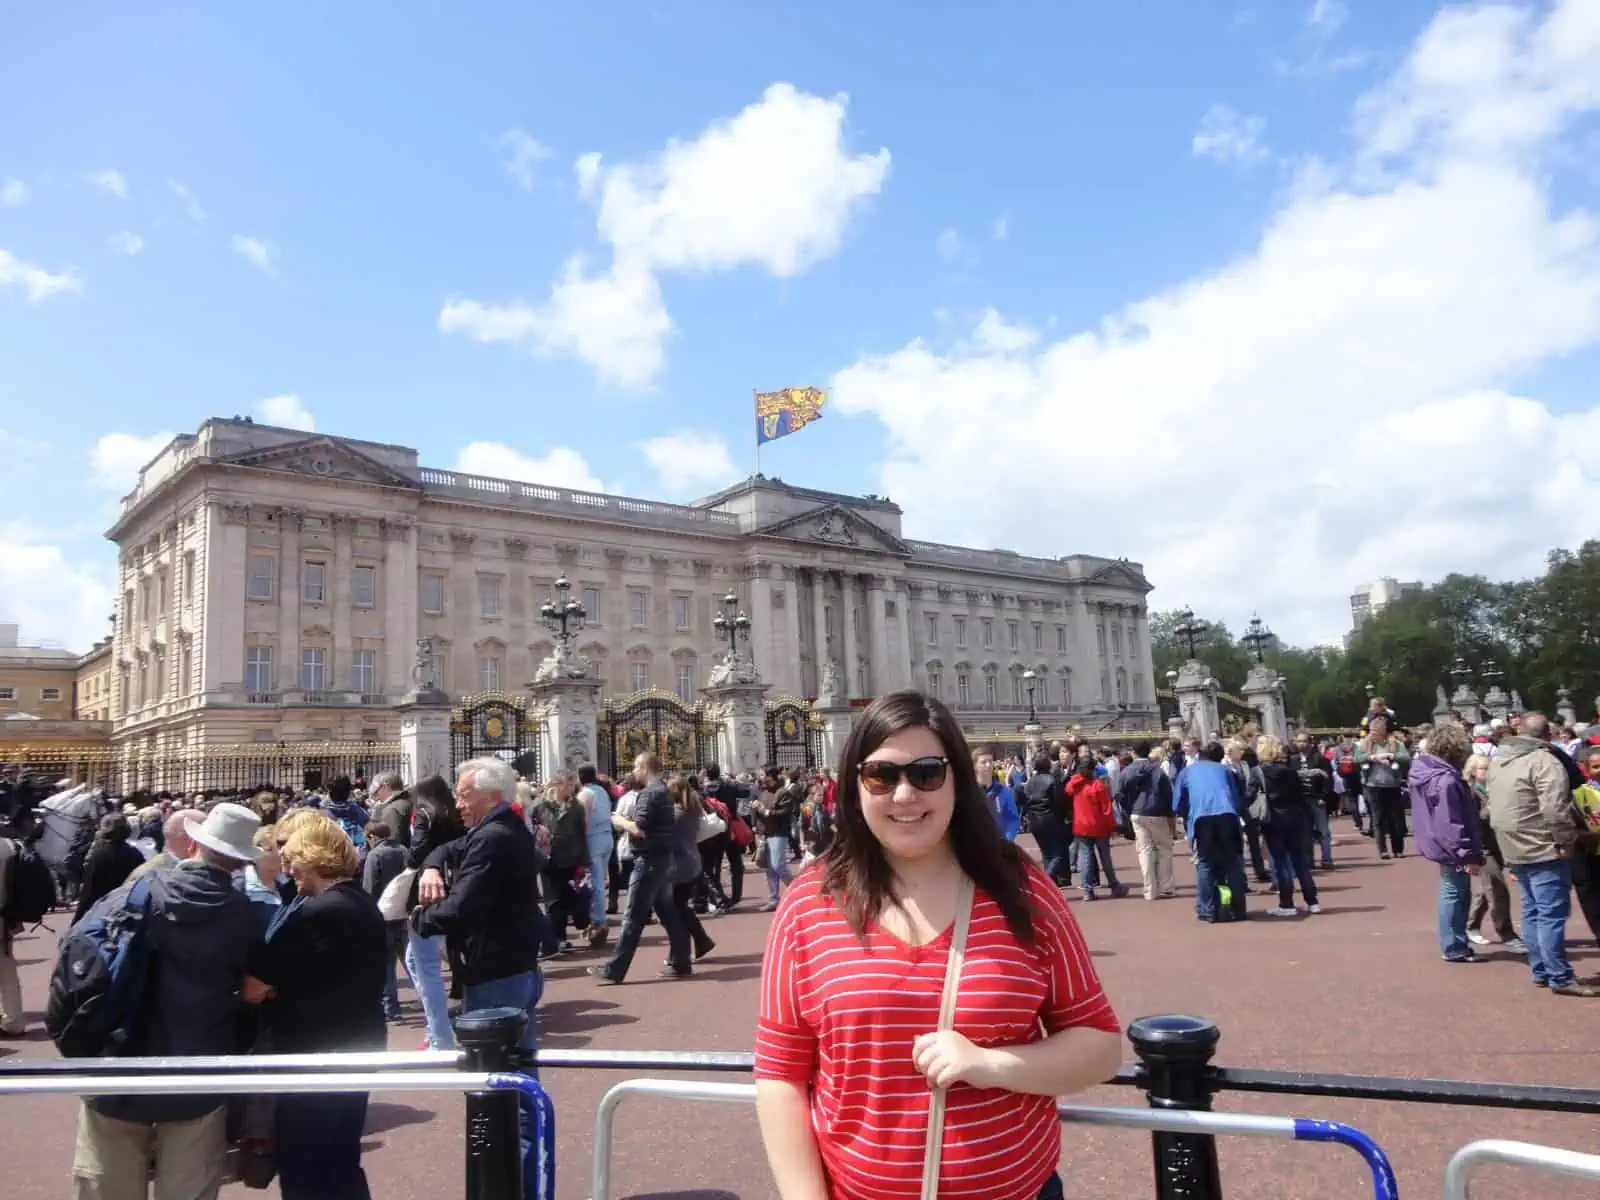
<point>1203,1123</point>
<point>1464,1163</point>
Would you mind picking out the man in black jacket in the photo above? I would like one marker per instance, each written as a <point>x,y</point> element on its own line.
<point>654,834</point>
<point>491,909</point>
<point>1043,802</point>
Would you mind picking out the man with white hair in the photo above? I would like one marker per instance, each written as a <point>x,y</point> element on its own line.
<point>177,846</point>
<point>491,909</point>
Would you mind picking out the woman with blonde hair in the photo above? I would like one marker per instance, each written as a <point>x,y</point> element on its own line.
<point>321,973</point>
<point>925,994</point>
<point>1288,827</point>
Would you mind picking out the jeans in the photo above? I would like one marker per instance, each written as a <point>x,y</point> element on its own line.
<point>1219,848</point>
<point>776,852</point>
<point>1290,848</point>
<point>319,1146</point>
<point>517,991</point>
<point>1264,870</point>
<point>599,880</point>
<point>735,856</point>
<point>1324,826</point>
<point>649,890</point>
<point>1455,899</point>
<point>1089,849</point>
<point>708,888</point>
<point>1546,905</point>
<point>397,932</point>
<point>1052,842</point>
<point>683,901</point>
<point>427,980</point>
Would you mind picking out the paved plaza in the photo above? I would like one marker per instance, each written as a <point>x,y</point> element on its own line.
<point>1358,989</point>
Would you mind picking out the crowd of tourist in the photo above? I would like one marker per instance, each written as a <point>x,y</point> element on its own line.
<point>289,918</point>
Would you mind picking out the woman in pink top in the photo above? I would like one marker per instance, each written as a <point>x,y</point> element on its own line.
<point>848,1048</point>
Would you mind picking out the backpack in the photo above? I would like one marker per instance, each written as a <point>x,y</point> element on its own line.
<point>356,830</point>
<point>98,986</point>
<point>33,888</point>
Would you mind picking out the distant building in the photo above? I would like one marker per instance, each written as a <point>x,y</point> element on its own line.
<point>93,701</point>
<point>1370,599</point>
<point>35,681</point>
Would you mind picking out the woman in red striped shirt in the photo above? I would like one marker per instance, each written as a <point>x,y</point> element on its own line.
<point>848,1046</point>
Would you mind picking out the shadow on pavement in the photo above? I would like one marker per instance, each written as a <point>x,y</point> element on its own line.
<point>567,1018</point>
<point>383,1116</point>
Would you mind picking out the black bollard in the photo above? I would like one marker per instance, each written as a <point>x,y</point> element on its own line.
<point>1175,1060</point>
<point>488,1039</point>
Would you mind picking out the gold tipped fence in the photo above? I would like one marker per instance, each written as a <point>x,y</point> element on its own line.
<point>237,768</point>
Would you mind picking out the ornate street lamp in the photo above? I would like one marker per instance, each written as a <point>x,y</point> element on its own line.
<point>562,615</point>
<point>1372,691</point>
<point>1028,678</point>
<point>1258,637</point>
<point>733,623</point>
<point>1460,673</point>
<point>1492,674</point>
<point>1188,628</point>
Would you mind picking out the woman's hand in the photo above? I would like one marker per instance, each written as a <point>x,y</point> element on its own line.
<point>946,1058</point>
<point>430,887</point>
<point>256,992</point>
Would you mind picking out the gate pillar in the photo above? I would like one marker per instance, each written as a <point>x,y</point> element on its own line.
<point>837,721</point>
<point>425,736</point>
<point>1261,690</point>
<point>1197,700</point>
<point>569,704</point>
<point>736,698</point>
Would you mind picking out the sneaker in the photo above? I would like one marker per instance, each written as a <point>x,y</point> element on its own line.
<point>1118,890</point>
<point>1283,912</point>
<point>601,979</point>
<point>1514,946</point>
<point>769,906</point>
<point>1462,958</point>
<point>668,972</point>
<point>1476,938</point>
<point>1315,910</point>
<point>1384,855</point>
<point>1088,893</point>
<point>1575,989</point>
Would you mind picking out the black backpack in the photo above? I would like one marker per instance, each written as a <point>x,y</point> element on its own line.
<point>98,988</point>
<point>33,888</point>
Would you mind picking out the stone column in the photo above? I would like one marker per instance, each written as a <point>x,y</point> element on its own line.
<point>1197,700</point>
<point>398,595</point>
<point>288,665</point>
<point>819,633</point>
<point>425,736</point>
<point>878,638</point>
<point>791,677</point>
<point>568,701</point>
<point>1496,703</point>
<point>854,685</point>
<point>342,653</point>
<point>762,632</point>
<point>1262,693</point>
<point>837,721</point>
<point>1564,707</point>
<point>736,699</point>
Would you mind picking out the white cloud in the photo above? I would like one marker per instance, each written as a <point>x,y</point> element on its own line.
<point>1229,136</point>
<point>186,200</point>
<point>1327,16</point>
<point>287,412</point>
<point>772,188</point>
<point>117,458</point>
<point>559,467</point>
<point>994,333</point>
<point>259,253</point>
<point>13,193</point>
<point>949,245</point>
<point>110,182</point>
<point>520,153</point>
<point>1001,228</point>
<point>39,283</point>
<point>1298,418</point>
<point>126,243</point>
<point>50,593</point>
<point>689,462</point>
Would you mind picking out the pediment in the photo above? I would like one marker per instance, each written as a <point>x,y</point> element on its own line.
<point>322,458</point>
<point>836,525</point>
<point>1120,575</point>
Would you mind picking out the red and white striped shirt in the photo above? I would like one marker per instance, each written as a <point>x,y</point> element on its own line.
<point>840,1018</point>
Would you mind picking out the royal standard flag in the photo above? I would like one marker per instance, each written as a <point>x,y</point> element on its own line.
<point>778,414</point>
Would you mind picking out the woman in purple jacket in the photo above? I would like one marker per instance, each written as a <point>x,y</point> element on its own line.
<point>1444,819</point>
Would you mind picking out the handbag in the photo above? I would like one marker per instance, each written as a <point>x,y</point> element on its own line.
<point>933,1148</point>
<point>711,825</point>
<point>392,903</point>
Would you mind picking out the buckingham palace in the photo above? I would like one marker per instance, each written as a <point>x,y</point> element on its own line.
<point>274,586</point>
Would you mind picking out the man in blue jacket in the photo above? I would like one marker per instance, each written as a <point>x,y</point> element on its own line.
<point>1208,803</point>
<point>1002,800</point>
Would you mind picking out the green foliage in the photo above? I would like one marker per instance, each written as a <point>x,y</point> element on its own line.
<point>1542,633</point>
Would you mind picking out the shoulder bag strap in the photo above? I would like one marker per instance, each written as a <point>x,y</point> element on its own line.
<point>934,1147</point>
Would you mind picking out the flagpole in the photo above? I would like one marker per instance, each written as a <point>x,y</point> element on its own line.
<point>757,406</point>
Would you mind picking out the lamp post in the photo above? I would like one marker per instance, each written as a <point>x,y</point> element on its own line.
<point>1188,628</point>
<point>1492,674</point>
<point>1028,678</point>
<point>1372,691</point>
<point>1459,672</point>
<point>1258,637</point>
<point>733,623</point>
<point>562,615</point>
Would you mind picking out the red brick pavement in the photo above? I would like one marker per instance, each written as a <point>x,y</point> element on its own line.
<point>1358,989</point>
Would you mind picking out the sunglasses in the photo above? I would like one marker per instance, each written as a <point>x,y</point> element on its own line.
<point>924,774</point>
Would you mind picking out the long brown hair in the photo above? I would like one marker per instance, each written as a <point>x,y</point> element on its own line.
<point>684,795</point>
<point>857,877</point>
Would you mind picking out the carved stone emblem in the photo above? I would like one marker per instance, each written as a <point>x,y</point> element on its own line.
<point>833,528</point>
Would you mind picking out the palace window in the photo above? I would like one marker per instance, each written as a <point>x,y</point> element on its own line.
<point>489,672</point>
<point>638,609</point>
<point>185,669</point>
<point>1038,637</point>
<point>1016,690</point>
<point>1011,633</point>
<point>364,587</point>
<point>263,577</point>
<point>489,599</point>
<point>991,692</point>
<point>364,671</point>
<point>1133,642</point>
<point>432,593</point>
<point>49,693</point>
<point>641,676</point>
<point>963,689</point>
<point>686,682</point>
<point>933,628</point>
<point>1043,691</point>
<point>988,633</point>
<point>8,693</point>
<point>591,606</point>
<point>935,684</point>
<point>1061,639</point>
<point>159,669</point>
<point>313,669</point>
<point>1100,638</point>
<point>961,631</point>
<point>680,613</point>
<point>188,577</point>
<point>1116,640</point>
<point>314,582</point>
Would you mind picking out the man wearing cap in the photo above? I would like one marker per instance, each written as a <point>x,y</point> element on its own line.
<point>202,940</point>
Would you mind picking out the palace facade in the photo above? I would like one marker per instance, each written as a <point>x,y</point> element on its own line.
<point>274,586</point>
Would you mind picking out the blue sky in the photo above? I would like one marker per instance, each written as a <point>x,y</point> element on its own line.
<point>1048,257</point>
